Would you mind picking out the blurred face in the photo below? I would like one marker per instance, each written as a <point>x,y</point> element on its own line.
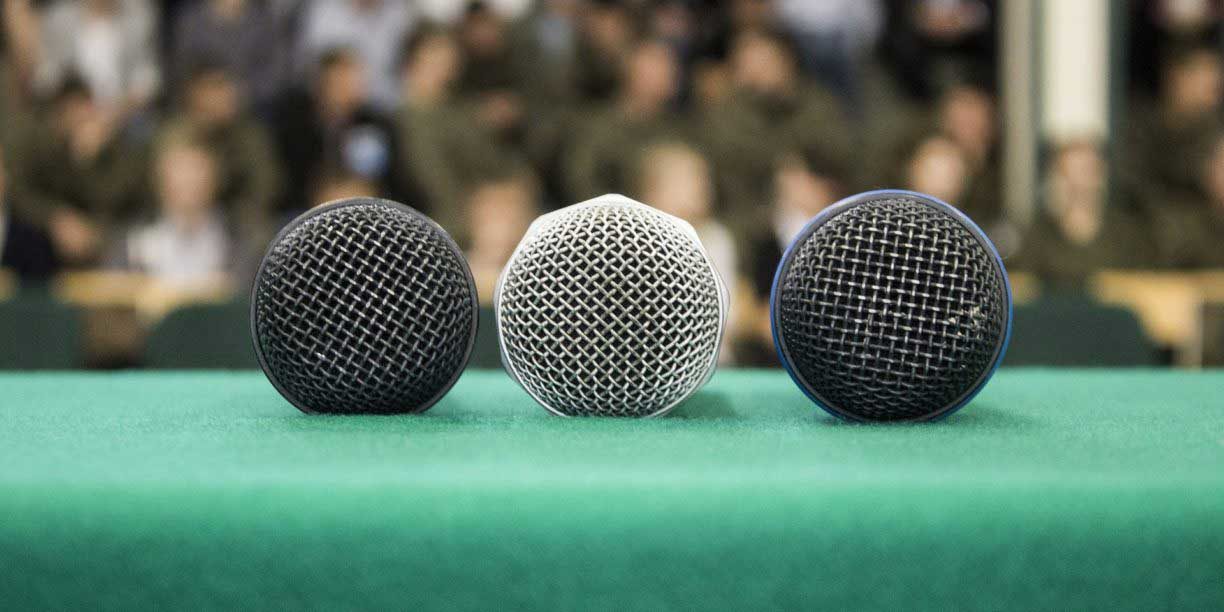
<point>483,35</point>
<point>711,83</point>
<point>608,28</point>
<point>762,65</point>
<point>74,112</point>
<point>938,168</point>
<point>802,194</point>
<point>652,74</point>
<point>435,65</point>
<point>1195,84</point>
<point>949,20</point>
<point>673,21</point>
<point>1077,190</point>
<point>343,87</point>
<point>186,179</point>
<point>213,99</point>
<point>1082,171</point>
<point>1185,15</point>
<point>499,215</point>
<point>968,118</point>
<point>678,183</point>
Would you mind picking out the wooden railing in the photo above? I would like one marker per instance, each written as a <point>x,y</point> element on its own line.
<point>1169,305</point>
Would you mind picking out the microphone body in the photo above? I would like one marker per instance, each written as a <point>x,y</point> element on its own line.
<point>891,306</point>
<point>363,306</point>
<point>610,308</point>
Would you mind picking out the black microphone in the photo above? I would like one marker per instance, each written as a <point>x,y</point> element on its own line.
<point>891,306</point>
<point>363,306</point>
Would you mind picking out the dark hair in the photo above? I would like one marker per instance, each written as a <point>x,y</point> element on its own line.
<point>1181,54</point>
<point>74,86</point>
<point>475,8</point>
<point>814,161</point>
<point>336,56</point>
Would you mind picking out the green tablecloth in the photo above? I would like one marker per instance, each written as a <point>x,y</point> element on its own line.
<point>1070,490</point>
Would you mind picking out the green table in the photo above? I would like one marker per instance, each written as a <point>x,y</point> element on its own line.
<point>1069,490</point>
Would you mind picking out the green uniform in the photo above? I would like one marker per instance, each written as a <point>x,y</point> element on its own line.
<point>1188,231</point>
<point>1162,154</point>
<point>1064,265</point>
<point>746,134</point>
<point>604,156</point>
<point>445,152</point>
<point>109,188</point>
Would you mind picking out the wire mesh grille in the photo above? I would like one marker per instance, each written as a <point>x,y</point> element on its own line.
<point>892,310</point>
<point>610,310</point>
<point>364,308</point>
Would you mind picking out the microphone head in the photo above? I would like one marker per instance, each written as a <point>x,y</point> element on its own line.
<point>891,306</point>
<point>610,308</point>
<point>363,306</point>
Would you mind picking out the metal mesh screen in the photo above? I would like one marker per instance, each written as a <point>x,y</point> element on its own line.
<point>366,307</point>
<point>610,310</point>
<point>892,309</point>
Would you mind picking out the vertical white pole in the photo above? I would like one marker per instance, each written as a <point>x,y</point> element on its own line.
<point>1018,101</point>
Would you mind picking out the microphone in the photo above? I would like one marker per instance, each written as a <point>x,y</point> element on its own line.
<point>363,306</point>
<point>891,306</point>
<point>610,308</point>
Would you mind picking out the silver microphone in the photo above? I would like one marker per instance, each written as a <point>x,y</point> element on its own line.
<point>610,308</point>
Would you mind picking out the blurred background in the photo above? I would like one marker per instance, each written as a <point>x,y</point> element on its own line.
<point>149,150</point>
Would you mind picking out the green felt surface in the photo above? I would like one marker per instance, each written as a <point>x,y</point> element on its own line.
<point>1067,490</point>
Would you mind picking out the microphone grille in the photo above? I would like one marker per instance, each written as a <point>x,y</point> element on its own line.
<point>363,305</point>
<point>893,308</point>
<point>610,308</point>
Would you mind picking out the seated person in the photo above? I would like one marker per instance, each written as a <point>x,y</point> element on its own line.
<point>499,211</point>
<point>187,244</point>
<point>330,128</point>
<point>939,168</point>
<point>24,250</point>
<point>82,178</point>
<point>804,184</point>
<point>675,178</point>
<point>1189,224</point>
<point>1079,233</point>
<point>769,111</point>
<point>249,173</point>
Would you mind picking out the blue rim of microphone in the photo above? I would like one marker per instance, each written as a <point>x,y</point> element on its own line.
<point>842,206</point>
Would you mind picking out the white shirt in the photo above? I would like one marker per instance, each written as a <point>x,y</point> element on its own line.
<point>178,255</point>
<point>376,35</point>
<point>115,56</point>
<point>720,246</point>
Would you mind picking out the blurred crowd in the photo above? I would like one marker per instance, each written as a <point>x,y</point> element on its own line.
<point>173,138</point>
